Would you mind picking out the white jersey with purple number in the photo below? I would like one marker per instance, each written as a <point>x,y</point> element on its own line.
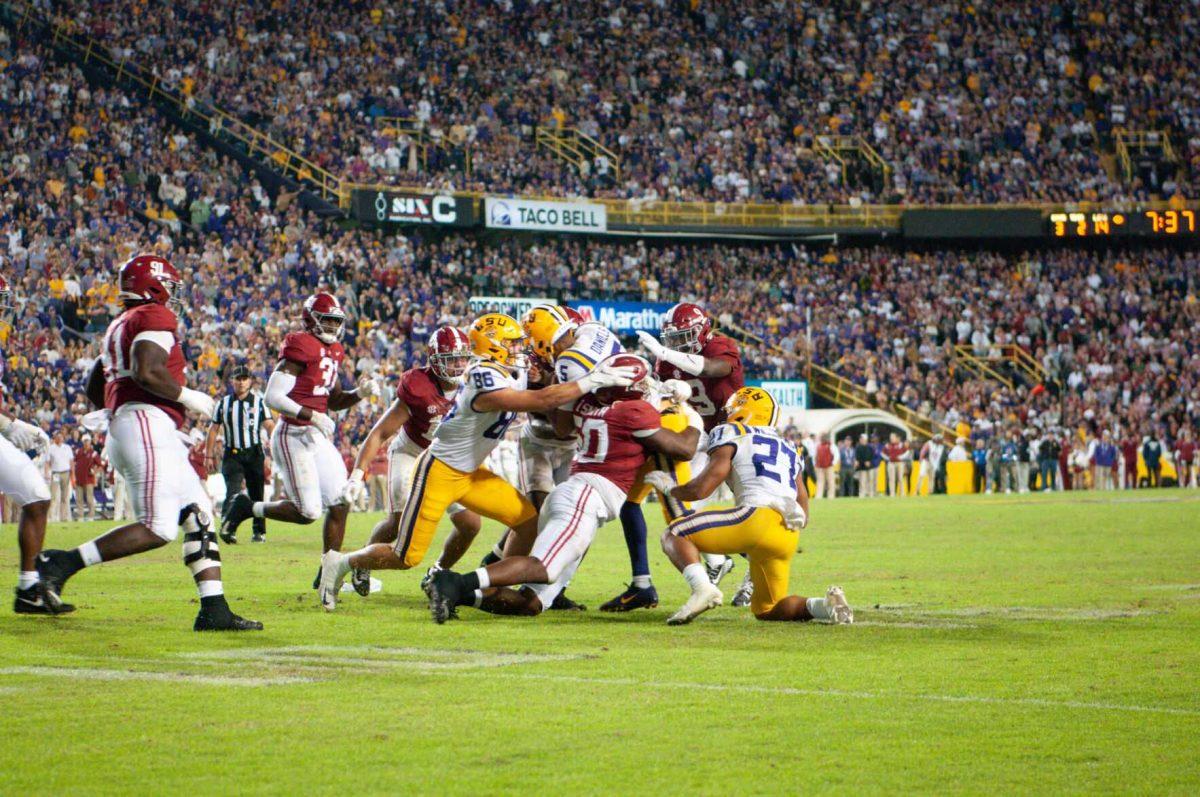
<point>593,343</point>
<point>765,466</point>
<point>467,436</point>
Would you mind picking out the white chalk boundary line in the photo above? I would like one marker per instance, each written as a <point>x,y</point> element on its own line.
<point>102,674</point>
<point>326,657</point>
<point>753,689</point>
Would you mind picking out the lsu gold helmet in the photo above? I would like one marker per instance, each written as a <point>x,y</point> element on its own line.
<point>545,325</point>
<point>498,337</point>
<point>752,406</point>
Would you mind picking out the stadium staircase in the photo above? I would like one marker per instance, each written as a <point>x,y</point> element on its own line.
<point>1008,365</point>
<point>85,50</point>
<point>424,140</point>
<point>858,160</point>
<point>574,147</point>
<point>841,392</point>
<point>1143,153</point>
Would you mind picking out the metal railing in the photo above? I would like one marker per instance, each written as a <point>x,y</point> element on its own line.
<point>1010,354</point>
<point>258,144</point>
<point>423,139</point>
<point>837,148</point>
<point>1127,142</point>
<point>571,145</point>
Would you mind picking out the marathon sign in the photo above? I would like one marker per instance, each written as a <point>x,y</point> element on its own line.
<point>509,305</point>
<point>625,318</point>
<point>532,214</point>
<point>790,395</point>
<point>407,207</point>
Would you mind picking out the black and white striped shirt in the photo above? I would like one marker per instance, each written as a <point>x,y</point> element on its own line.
<point>242,420</point>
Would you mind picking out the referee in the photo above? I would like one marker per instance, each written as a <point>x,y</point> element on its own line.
<point>242,416</point>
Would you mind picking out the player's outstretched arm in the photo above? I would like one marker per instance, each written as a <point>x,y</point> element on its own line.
<point>512,400</point>
<point>720,461</point>
<point>381,434</point>
<point>677,445</point>
<point>694,364</point>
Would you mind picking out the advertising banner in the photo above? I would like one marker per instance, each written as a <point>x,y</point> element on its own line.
<point>791,394</point>
<point>509,305</point>
<point>531,214</point>
<point>625,318</point>
<point>406,207</point>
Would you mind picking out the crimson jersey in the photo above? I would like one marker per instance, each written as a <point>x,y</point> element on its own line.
<point>152,322</point>
<point>610,438</point>
<point>420,392</point>
<point>320,362</point>
<point>709,394</point>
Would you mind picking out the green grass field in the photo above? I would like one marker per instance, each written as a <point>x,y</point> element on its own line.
<point>1007,644</point>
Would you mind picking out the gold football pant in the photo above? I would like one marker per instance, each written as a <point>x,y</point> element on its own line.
<point>755,531</point>
<point>672,508</point>
<point>435,486</point>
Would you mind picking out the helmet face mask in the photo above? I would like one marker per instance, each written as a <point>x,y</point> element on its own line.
<point>685,340</point>
<point>149,278</point>
<point>324,318</point>
<point>687,328</point>
<point>545,325</point>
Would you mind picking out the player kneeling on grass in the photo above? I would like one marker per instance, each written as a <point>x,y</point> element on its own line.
<point>767,478</point>
<point>451,469</point>
<point>139,378</point>
<point>616,429</point>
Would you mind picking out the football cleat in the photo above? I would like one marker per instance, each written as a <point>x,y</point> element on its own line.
<point>427,579</point>
<point>839,610</point>
<point>360,580</point>
<point>564,604</point>
<point>632,598</point>
<point>718,572</point>
<point>489,558</point>
<point>30,601</point>
<point>241,510</point>
<point>700,601</point>
<point>744,593</point>
<point>330,581</point>
<point>258,537</point>
<point>223,620</point>
<point>443,591</point>
<point>53,572</point>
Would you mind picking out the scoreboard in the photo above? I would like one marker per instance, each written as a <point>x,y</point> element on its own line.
<point>1139,223</point>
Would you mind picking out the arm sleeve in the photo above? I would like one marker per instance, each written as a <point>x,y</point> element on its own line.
<point>164,340</point>
<point>278,387</point>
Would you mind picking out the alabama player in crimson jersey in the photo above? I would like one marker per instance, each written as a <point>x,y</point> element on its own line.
<point>711,365</point>
<point>616,428</point>
<point>139,378</point>
<point>423,396</point>
<point>22,482</point>
<point>303,389</point>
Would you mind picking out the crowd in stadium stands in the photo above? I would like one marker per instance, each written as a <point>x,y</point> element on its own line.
<point>701,100</point>
<point>89,175</point>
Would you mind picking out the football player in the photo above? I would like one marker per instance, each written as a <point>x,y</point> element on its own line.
<point>22,482</point>
<point>423,396</point>
<point>302,389</point>
<point>711,365</point>
<point>451,469</point>
<point>139,378</point>
<point>767,478</point>
<point>616,429</point>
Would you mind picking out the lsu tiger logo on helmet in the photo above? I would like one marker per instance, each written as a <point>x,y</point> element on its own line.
<point>500,339</point>
<point>752,406</point>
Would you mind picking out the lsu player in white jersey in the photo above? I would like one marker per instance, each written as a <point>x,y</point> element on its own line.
<point>767,478</point>
<point>451,470</point>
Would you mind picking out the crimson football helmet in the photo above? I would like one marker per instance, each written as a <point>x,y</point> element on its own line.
<point>686,328</point>
<point>324,317</point>
<point>449,353</point>
<point>150,278</point>
<point>643,386</point>
<point>573,314</point>
<point>6,299</point>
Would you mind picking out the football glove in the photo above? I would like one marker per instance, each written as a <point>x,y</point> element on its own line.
<point>368,387</point>
<point>652,345</point>
<point>200,403</point>
<point>608,376</point>
<point>794,517</point>
<point>677,390</point>
<point>355,489</point>
<point>660,480</point>
<point>323,424</point>
<point>24,436</point>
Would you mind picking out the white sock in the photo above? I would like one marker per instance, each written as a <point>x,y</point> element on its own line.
<point>478,598</point>
<point>27,579</point>
<point>819,609</point>
<point>90,553</point>
<point>714,559</point>
<point>485,580</point>
<point>209,589</point>
<point>343,566</point>
<point>498,551</point>
<point>696,576</point>
<point>641,582</point>
<point>257,508</point>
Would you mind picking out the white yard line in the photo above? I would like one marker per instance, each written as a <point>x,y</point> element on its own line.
<point>836,693</point>
<point>100,674</point>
